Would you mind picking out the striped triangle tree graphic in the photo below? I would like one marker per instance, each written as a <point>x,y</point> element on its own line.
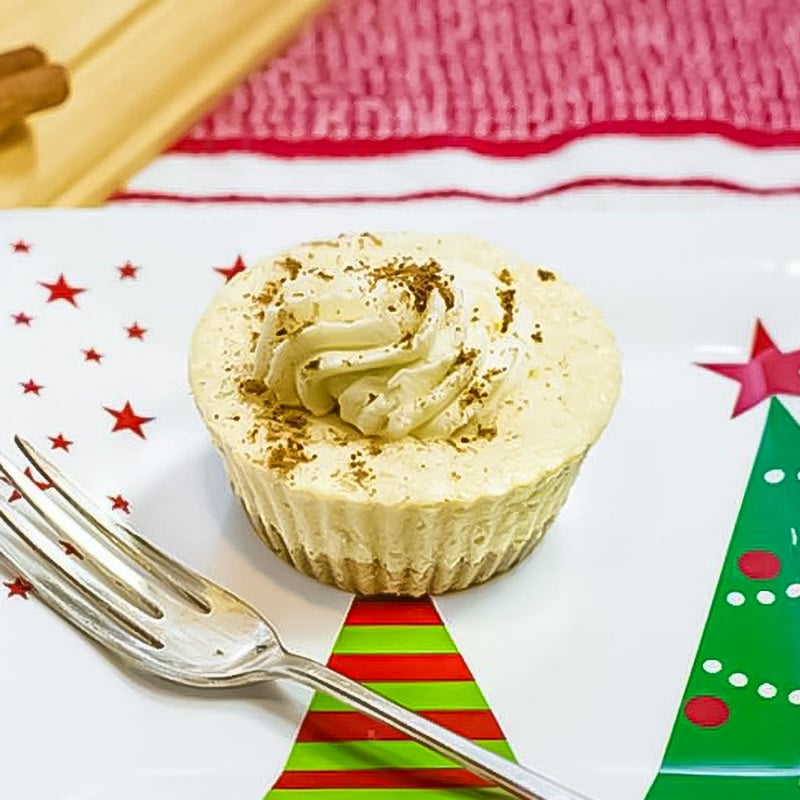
<point>402,650</point>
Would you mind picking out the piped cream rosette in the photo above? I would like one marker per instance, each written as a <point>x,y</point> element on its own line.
<point>402,414</point>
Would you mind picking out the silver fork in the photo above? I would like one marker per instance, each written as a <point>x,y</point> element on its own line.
<point>167,620</point>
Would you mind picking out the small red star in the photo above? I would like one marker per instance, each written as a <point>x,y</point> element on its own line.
<point>20,247</point>
<point>22,319</point>
<point>61,290</point>
<point>15,495</point>
<point>92,355</point>
<point>119,503</point>
<point>70,549</point>
<point>769,371</point>
<point>128,419</point>
<point>127,271</point>
<point>31,387</point>
<point>41,484</point>
<point>231,272</point>
<point>19,587</point>
<point>135,331</point>
<point>59,442</point>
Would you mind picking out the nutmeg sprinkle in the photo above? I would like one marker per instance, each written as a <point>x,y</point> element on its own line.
<point>421,280</point>
<point>545,275</point>
<point>504,276</point>
<point>291,265</point>
<point>506,298</point>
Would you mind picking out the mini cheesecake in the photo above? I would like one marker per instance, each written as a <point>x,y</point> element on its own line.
<point>402,414</point>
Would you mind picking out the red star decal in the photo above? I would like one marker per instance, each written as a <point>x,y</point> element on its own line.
<point>41,484</point>
<point>70,549</point>
<point>128,419</point>
<point>15,495</point>
<point>135,331</point>
<point>231,272</point>
<point>119,503</point>
<point>61,290</point>
<point>769,371</point>
<point>31,387</point>
<point>59,442</point>
<point>19,587</point>
<point>127,271</point>
<point>22,319</point>
<point>20,247</point>
<point>92,355</point>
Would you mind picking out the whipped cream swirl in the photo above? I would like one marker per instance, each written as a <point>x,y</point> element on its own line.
<point>398,348</point>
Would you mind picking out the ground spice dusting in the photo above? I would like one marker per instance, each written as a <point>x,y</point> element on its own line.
<point>505,277</point>
<point>374,446</point>
<point>419,279</point>
<point>325,276</point>
<point>465,356</point>
<point>545,275</point>
<point>291,265</point>
<point>285,457</point>
<point>252,387</point>
<point>537,337</point>
<point>487,432</point>
<point>359,470</point>
<point>506,298</point>
<point>313,364</point>
<point>268,292</point>
<point>474,394</point>
<point>374,239</point>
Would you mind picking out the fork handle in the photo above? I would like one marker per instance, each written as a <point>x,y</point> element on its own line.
<point>516,779</point>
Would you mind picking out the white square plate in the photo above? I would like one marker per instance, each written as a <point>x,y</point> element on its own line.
<point>582,651</point>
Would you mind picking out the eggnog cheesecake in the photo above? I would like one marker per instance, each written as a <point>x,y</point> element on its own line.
<point>402,414</point>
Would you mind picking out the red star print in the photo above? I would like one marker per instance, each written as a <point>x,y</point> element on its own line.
<point>135,331</point>
<point>231,272</point>
<point>22,319</point>
<point>119,503</point>
<point>92,355</point>
<point>59,442</point>
<point>15,495</point>
<point>769,371</point>
<point>31,387</point>
<point>20,247</point>
<point>128,419</point>
<point>70,549</point>
<point>127,271</point>
<point>19,587</point>
<point>61,290</point>
<point>41,484</point>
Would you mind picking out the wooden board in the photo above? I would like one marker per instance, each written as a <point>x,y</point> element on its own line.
<point>141,70</point>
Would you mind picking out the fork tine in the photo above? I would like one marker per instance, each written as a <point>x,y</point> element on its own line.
<point>62,598</point>
<point>130,584</point>
<point>187,583</point>
<point>53,571</point>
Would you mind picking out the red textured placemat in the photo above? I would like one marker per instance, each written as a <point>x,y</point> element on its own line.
<point>517,77</point>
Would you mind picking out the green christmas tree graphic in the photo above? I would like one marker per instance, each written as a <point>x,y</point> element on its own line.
<point>737,734</point>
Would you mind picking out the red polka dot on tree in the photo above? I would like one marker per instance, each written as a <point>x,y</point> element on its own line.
<point>706,711</point>
<point>760,565</point>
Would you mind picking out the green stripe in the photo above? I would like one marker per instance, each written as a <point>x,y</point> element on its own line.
<point>460,793</point>
<point>340,756</point>
<point>394,639</point>
<point>417,695</point>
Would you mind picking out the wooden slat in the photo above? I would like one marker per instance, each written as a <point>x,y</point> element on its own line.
<point>136,88</point>
<point>69,27</point>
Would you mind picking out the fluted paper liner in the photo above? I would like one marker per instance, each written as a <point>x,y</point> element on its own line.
<point>405,549</point>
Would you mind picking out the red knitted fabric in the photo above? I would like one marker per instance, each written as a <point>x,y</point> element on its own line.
<point>514,77</point>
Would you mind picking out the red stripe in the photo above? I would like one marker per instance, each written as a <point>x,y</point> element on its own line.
<point>467,194</point>
<point>347,726</point>
<point>323,148</point>
<point>379,779</point>
<point>411,667</point>
<point>400,611</point>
